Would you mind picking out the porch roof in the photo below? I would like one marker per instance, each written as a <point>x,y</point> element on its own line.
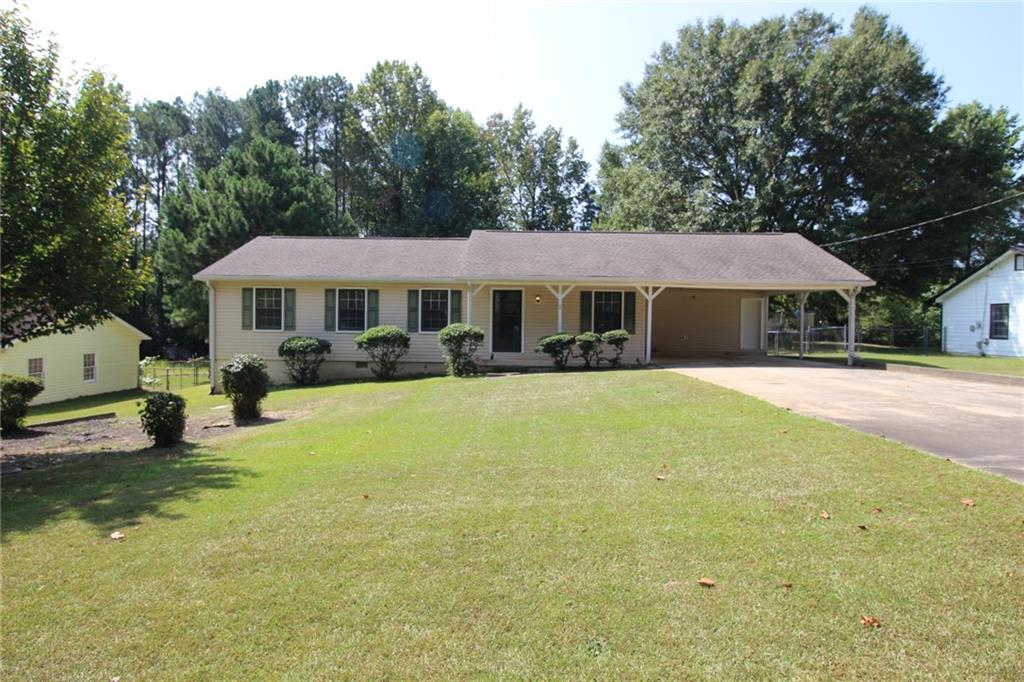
<point>756,260</point>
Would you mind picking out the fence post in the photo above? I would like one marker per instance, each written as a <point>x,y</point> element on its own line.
<point>167,378</point>
<point>926,340</point>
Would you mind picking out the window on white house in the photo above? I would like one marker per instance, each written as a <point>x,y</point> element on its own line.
<point>351,310</point>
<point>269,308</point>
<point>1018,261</point>
<point>35,368</point>
<point>607,311</point>
<point>433,310</point>
<point>999,321</point>
<point>89,367</point>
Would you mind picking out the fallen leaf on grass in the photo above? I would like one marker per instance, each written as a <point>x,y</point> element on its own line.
<point>824,514</point>
<point>660,478</point>
<point>117,535</point>
<point>366,497</point>
<point>967,502</point>
<point>787,585</point>
<point>876,510</point>
<point>311,452</point>
<point>706,582</point>
<point>870,622</point>
<point>785,430</point>
<point>862,527</point>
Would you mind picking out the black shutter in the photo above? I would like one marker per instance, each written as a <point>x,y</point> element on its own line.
<point>586,304</point>
<point>330,319</point>
<point>289,309</point>
<point>372,308</point>
<point>413,322</point>
<point>247,309</point>
<point>629,311</point>
<point>454,307</point>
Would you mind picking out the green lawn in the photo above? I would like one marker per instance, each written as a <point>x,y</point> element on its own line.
<point>963,363</point>
<point>514,527</point>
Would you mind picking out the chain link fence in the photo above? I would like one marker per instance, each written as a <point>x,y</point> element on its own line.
<point>784,341</point>
<point>168,375</point>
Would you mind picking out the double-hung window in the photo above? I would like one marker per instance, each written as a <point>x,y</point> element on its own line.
<point>89,367</point>
<point>999,321</point>
<point>433,310</point>
<point>268,305</point>
<point>351,310</point>
<point>35,368</point>
<point>607,311</point>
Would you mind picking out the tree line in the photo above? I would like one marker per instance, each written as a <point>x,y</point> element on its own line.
<point>788,124</point>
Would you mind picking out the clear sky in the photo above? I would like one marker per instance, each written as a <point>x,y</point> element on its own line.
<point>565,61</point>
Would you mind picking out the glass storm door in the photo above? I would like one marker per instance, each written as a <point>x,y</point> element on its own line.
<point>507,321</point>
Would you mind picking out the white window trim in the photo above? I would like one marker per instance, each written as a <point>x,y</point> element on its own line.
<point>95,368</point>
<point>622,306</point>
<point>1018,258</point>
<point>272,331</point>
<point>419,309</point>
<point>366,310</point>
<point>42,375</point>
<point>991,319</point>
<point>522,321</point>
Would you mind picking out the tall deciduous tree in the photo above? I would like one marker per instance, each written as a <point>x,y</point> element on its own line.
<point>543,181</point>
<point>67,235</point>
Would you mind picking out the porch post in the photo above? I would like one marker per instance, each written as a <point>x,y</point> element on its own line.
<point>560,295</point>
<point>649,293</point>
<point>850,296</point>
<point>802,297</point>
<point>471,294</point>
<point>212,334</point>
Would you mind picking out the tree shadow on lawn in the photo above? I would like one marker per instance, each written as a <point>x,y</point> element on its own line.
<point>114,490</point>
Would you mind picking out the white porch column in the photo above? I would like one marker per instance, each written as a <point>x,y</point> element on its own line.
<point>471,293</point>
<point>649,293</point>
<point>560,294</point>
<point>850,296</point>
<point>803,326</point>
<point>211,296</point>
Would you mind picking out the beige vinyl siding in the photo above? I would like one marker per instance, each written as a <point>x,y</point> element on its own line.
<point>115,346</point>
<point>698,321</point>
<point>424,354</point>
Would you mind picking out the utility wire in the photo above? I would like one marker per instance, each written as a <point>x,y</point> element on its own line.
<point>926,222</point>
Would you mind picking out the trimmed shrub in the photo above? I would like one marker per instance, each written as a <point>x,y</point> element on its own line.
<point>558,346</point>
<point>385,344</point>
<point>303,356</point>
<point>15,395</point>
<point>616,338</point>
<point>589,345</point>
<point>163,418</point>
<point>245,382</point>
<point>460,342</point>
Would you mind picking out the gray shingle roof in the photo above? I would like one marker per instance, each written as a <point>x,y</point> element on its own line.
<point>685,258</point>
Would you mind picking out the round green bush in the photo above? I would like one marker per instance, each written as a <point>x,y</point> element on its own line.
<point>617,339</point>
<point>15,395</point>
<point>460,342</point>
<point>385,344</point>
<point>589,345</point>
<point>558,346</point>
<point>303,356</point>
<point>245,382</point>
<point>163,418</point>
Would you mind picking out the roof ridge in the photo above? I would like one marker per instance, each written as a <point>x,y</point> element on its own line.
<point>358,238</point>
<point>664,232</point>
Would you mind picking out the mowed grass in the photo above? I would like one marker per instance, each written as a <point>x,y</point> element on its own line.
<point>962,363</point>
<point>515,527</point>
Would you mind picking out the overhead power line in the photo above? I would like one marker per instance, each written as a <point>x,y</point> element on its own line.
<point>926,222</point>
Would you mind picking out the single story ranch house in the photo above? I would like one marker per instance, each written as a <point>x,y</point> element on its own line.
<point>677,294</point>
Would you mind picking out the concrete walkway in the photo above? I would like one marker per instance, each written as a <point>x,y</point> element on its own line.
<point>980,425</point>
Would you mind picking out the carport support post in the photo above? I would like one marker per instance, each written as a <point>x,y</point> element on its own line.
<point>560,295</point>
<point>649,294</point>
<point>803,327</point>
<point>850,295</point>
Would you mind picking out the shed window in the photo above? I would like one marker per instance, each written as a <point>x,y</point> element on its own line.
<point>351,310</point>
<point>269,309</point>
<point>999,321</point>
<point>1018,261</point>
<point>35,368</point>
<point>607,311</point>
<point>89,367</point>
<point>433,310</point>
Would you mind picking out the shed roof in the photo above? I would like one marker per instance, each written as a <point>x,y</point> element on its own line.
<point>755,259</point>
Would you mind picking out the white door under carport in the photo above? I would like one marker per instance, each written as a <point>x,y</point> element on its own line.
<point>750,323</point>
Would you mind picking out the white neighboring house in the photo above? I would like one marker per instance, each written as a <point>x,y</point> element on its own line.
<point>84,362</point>
<point>984,314</point>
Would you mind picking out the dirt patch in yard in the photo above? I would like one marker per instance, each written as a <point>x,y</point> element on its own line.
<point>44,445</point>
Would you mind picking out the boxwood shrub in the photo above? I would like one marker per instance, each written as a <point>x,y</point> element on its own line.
<point>558,347</point>
<point>15,395</point>
<point>303,356</point>
<point>460,342</point>
<point>589,346</point>
<point>385,344</point>
<point>245,382</point>
<point>616,338</point>
<point>163,418</point>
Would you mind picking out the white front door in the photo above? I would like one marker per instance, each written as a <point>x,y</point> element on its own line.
<point>750,324</point>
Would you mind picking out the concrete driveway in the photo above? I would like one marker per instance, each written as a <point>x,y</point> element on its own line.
<point>980,425</point>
